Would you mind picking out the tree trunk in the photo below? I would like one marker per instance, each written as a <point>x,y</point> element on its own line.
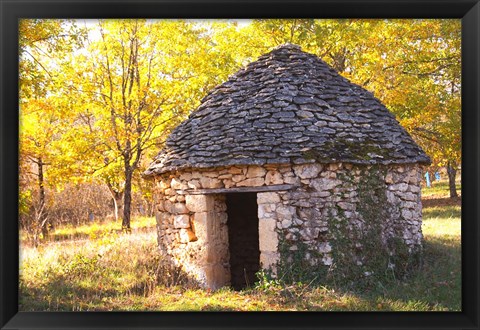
<point>41,186</point>
<point>118,201</point>
<point>117,197</point>
<point>127,201</point>
<point>452,173</point>
<point>44,225</point>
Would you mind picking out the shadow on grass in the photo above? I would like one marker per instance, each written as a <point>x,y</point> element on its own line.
<point>93,287</point>
<point>435,286</point>
<point>441,202</point>
<point>61,294</point>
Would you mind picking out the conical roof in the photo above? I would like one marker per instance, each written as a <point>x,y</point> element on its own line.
<point>289,106</point>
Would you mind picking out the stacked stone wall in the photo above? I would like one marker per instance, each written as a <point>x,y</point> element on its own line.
<point>326,205</point>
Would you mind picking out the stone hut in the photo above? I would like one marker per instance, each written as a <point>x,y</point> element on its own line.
<point>288,160</point>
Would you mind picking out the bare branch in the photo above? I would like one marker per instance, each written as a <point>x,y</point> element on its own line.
<point>38,62</point>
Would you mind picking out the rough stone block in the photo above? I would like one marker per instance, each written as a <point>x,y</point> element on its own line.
<point>346,206</point>
<point>213,174</point>
<point>200,225</point>
<point>264,211</point>
<point>285,212</point>
<point>308,213</point>
<point>162,218</point>
<point>414,177</point>
<point>286,223</point>
<point>268,197</point>
<point>327,260</point>
<point>324,247</point>
<point>407,214</point>
<point>238,177</point>
<point>323,184</point>
<point>168,206</point>
<point>322,194</point>
<point>178,185</point>
<point>228,183</point>
<point>291,180</point>
<point>235,170</point>
<point>160,206</point>
<point>222,217</point>
<point>411,205</point>
<point>334,167</point>
<point>267,236</point>
<point>216,276</point>
<point>389,178</point>
<point>196,175</point>
<point>163,185</point>
<point>186,235</point>
<point>305,114</point>
<point>268,260</point>
<point>179,208</point>
<point>391,198</point>
<point>409,197</point>
<point>181,221</point>
<point>297,221</point>
<point>253,182</point>
<point>194,184</point>
<point>186,176</point>
<point>210,183</point>
<point>414,189</point>
<point>273,177</point>
<point>198,203</point>
<point>255,172</point>
<point>399,187</point>
<point>307,171</point>
<point>321,123</point>
<point>309,234</point>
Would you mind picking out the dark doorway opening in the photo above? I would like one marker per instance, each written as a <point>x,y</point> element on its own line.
<point>243,239</point>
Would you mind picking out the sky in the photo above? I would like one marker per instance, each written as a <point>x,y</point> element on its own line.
<point>94,34</point>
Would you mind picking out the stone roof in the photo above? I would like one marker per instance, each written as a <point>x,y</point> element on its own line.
<point>289,106</point>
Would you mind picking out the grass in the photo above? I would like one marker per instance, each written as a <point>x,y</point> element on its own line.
<point>439,189</point>
<point>99,268</point>
<point>94,230</point>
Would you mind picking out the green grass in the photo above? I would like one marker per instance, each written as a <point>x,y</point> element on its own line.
<point>109,270</point>
<point>440,188</point>
<point>94,229</point>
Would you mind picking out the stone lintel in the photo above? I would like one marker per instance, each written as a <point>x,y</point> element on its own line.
<point>275,187</point>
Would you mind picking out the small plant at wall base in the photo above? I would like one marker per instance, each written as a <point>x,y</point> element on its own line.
<point>299,264</point>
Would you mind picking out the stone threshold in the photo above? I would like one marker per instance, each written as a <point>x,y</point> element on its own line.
<point>273,187</point>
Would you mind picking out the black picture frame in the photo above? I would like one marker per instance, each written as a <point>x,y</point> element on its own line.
<point>12,11</point>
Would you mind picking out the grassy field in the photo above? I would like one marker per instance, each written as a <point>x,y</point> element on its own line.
<point>98,268</point>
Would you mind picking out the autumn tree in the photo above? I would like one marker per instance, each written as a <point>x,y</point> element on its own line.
<point>41,109</point>
<point>138,79</point>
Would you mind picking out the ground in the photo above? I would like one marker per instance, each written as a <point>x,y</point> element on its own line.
<point>98,268</point>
